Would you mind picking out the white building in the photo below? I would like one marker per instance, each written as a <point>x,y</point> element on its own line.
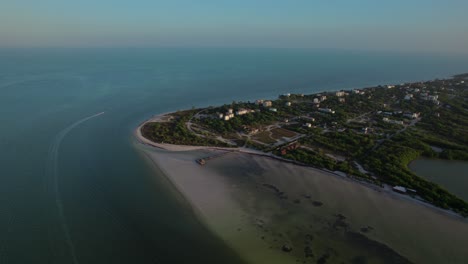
<point>267,103</point>
<point>323,98</point>
<point>273,109</point>
<point>243,112</point>
<point>411,115</point>
<point>408,97</point>
<point>340,93</point>
<point>326,110</point>
<point>308,125</point>
<point>316,101</point>
<point>288,103</point>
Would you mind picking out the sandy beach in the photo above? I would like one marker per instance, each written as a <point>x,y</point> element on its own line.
<point>264,207</point>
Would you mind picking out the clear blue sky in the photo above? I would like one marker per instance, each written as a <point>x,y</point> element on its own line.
<point>399,25</point>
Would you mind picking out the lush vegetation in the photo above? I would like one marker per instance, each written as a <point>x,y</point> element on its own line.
<point>176,132</point>
<point>384,152</point>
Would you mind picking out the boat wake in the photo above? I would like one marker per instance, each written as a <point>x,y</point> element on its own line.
<point>52,165</point>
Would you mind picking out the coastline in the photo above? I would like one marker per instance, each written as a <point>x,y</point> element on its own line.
<point>185,148</point>
<point>215,199</point>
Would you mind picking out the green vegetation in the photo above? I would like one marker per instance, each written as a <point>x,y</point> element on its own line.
<point>175,132</point>
<point>374,127</point>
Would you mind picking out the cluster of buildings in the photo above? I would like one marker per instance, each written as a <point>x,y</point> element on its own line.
<point>432,98</point>
<point>230,113</point>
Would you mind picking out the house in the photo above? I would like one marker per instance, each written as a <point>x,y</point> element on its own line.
<point>408,97</point>
<point>243,111</point>
<point>273,109</point>
<point>230,111</point>
<point>267,103</point>
<point>340,93</point>
<point>390,86</point>
<point>308,125</point>
<point>259,102</point>
<point>397,122</point>
<point>411,115</point>
<point>341,100</point>
<point>316,101</point>
<point>228,116</point>
<point>288,104</point>
<point>323,98</point>
<point>326,110</point>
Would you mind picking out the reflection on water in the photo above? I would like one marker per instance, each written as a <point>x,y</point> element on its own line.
<point>453,175</point>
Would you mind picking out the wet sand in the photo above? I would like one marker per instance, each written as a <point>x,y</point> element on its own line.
<point>259,205</point>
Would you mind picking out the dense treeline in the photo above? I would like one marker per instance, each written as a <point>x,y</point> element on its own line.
<point>176,132</point>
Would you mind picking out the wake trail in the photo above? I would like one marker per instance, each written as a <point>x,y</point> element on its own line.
<point>52,163</point>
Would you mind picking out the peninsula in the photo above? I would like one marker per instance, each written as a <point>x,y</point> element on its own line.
<point>368,134</point>
<point>322,178</point>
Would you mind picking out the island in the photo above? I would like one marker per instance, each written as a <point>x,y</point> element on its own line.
<point>323,177</point>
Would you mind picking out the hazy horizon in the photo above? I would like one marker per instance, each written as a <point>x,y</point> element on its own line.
<point>401,26</point>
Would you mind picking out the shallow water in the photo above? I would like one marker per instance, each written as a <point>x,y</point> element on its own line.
<point>335,217</point>
<point>83,194</point>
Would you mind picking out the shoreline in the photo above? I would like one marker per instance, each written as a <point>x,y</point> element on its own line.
<point>224,204</point>
<point>387,189</point>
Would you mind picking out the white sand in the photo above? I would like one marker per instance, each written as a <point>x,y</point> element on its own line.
<point>228,196</point>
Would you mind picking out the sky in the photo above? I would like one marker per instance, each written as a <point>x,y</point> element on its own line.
<point>397,25</point>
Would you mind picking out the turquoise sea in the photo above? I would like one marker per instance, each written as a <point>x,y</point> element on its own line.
<point>73,188</point>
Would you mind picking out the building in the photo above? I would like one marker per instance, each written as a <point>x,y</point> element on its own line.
<point>308,125</point>
<point>267,103</point>
<point>273,109</point>
<point>243,111</point>
<point>259,102</point>
<point>230,110</point>
<point>390,86</point>
<point>316,101</point>
<point>397,122</point>
<point>340,93</point>
<point>288,104</point>
<point>341,100</point>
<point>411,115</point>
<point>323,98</point>
<point>399,189</point>
<point>326,110</point>
<point>408,97</point>
<point>228,116</point>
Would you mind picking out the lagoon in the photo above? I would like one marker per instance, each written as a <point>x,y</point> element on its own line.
<point>453,175</point>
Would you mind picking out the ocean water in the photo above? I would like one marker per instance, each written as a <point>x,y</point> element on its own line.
<point>73,189</point>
